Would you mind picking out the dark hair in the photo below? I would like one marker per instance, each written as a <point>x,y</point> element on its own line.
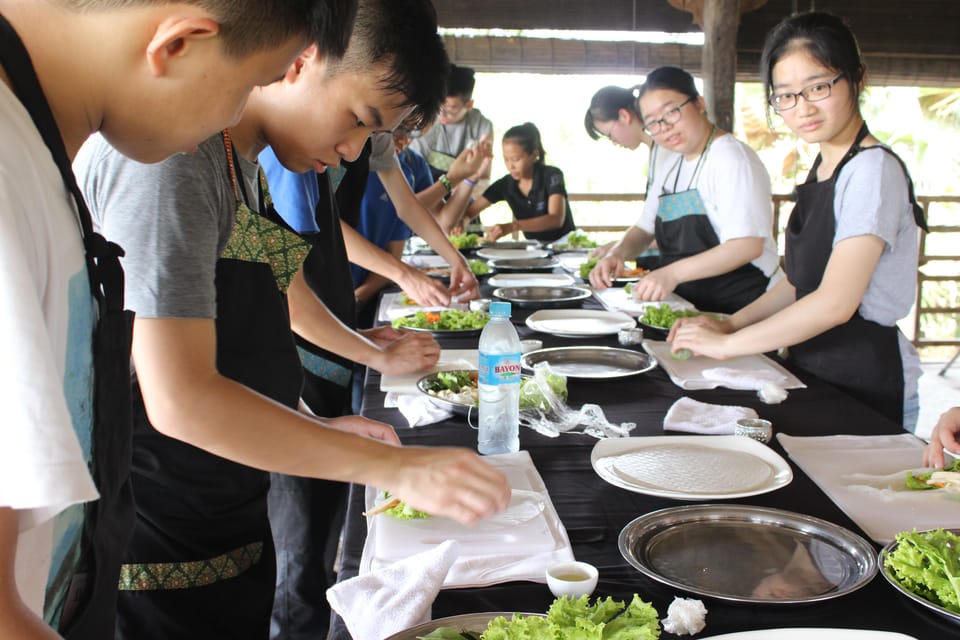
<point>528,137</point>
<point>605,106</point>
<point>673,78</point>
<point>401,35</point>
<point>460,83</point>
<point>824,36</point>
<point>250,26</point>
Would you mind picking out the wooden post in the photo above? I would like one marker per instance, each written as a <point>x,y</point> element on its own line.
<point>720,21</point>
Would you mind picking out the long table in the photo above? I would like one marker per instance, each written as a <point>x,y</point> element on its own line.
<point>594,512</point>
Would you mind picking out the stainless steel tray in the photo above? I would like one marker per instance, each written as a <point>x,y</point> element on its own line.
<point>459,408</point>
<point>475,622</point>
<point>591,363</point>
<point>889,576</point>
<point>748,554</point>
<point>543,296</point>
<point>532,265</point>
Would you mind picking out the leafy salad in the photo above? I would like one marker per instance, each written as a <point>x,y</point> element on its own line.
<point>663,316</point>
<point>479,267</point>
<point>569,619</point>
<point>449,320</point>
<point>457,385</point>
<point>576,240</point>
<point>927,480</point>
<point>397,508</point>
<point>587,267</point>
<point>927,564</point>
<point>465,240</point>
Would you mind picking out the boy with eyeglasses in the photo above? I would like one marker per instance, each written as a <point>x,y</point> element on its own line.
<point>155,78</point>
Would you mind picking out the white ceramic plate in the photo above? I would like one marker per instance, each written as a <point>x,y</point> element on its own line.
<point>812,632</point>
<point>576,323</point>
<point>512,254</point>
<point>691,467</point>
<point>571,261</point>
<point>531,280</point>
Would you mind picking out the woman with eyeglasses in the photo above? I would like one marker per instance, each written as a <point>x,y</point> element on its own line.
<point>708,206</point>
<point>851,240</point>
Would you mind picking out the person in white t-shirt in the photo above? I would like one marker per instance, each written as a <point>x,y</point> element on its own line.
<point>708,206</point>
<point>155,78</point>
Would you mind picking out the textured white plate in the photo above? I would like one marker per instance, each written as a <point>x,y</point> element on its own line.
<point>512,254</point>
<point>576,323</point>
<point>531,280</point>
<point>812,632</point>
<point>691,467</point>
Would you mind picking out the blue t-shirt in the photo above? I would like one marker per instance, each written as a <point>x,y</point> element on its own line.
<point>295,195</point>
<point>379,222</point>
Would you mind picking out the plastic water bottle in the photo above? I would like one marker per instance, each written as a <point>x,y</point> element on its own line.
<point>499,383</point>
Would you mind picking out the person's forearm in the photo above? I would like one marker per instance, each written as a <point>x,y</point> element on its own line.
<point>452,212</point>
<point>632,244</point>
<point>432,195</point>
<point>540,223</point>
<point>364,253</point>
<point>369,288</point>
<point>415,216</point>
<point>718,260</point>
<point>778,297</point>
<point>314,322</point>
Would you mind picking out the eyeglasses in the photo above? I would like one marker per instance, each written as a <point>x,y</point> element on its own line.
<point>670,117</point>
<point>609,134</point>
<point>813,93</point>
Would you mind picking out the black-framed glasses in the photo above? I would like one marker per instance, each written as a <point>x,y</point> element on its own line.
<point>813,93</point>
<point>670,117</point>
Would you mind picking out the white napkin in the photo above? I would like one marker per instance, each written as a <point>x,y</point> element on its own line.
<point>380,603</point>
<point>687,414</point>
<point>418,410</point>
<point>767,382</point>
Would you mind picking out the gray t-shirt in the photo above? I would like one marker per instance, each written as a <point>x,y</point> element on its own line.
<point>172,218</point>
<point>451,139</point>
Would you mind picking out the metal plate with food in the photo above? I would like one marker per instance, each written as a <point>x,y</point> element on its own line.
<point>591,363</point>
<point>926,550</point>
<point>748,554</point>
<point>511,254</point>
<point>532,265</point>
<point>574,241</point>
<point>531,280</point>
<point>450,323</point>
<point>474,623</point>
<point>579,323</point>
<point>457,391</point>
<point>510,244</point>
<point>691,467</point>
<point>541,297</point>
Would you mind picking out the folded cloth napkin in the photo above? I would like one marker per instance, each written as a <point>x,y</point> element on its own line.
<point>745,379</point>
<point>687,414</point>
<point>418,410</point>
<point>393,598</point>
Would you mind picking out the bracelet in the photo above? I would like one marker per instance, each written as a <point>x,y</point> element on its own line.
<point>445,181</point>
<point>469,182</point>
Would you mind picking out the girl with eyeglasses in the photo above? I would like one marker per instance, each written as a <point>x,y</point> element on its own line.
<point>708,206</point>
<point>534,190</point>
<point>851,240</point>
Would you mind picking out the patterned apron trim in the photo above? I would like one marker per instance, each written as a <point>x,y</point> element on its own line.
<point>326,369</point>
<point>154,576</point>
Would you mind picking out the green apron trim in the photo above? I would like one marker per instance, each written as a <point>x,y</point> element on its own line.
<point>326,369</point>
<point>155,576</point>
<point>256,239</point>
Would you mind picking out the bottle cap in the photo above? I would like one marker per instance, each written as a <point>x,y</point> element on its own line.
<point>500,308</point>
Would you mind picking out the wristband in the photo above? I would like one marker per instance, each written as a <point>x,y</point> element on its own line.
<point>445,181</point>
<point>469,182</point>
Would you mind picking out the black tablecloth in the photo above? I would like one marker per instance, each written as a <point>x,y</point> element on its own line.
<point>594,512</point>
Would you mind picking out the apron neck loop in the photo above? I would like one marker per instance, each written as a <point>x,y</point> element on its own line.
<point>696,169</point>
<point>232,161</point>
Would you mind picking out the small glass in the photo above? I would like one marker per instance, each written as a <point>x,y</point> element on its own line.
<point>756,428</point>
<point>630,337</point>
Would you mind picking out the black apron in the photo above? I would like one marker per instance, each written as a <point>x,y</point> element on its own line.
<point>202,546</point>
<point>683,229</point>
<point>859,356</point>
<point>307,513</point>
<point>84,605</point>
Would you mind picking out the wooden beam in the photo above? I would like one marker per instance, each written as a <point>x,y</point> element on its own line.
<point>720,20</point>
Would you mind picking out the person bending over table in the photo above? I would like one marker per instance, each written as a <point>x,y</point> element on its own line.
<point>708,206</point>
<point>613,115</point>
<point>851,240</point>
<point>218,374</point>
<point>534,190</point>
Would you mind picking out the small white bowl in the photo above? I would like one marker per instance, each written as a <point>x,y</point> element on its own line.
<point>573,579</point>
<point>526,346</point>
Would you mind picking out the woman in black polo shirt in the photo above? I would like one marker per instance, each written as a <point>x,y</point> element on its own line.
<point>535,191</point>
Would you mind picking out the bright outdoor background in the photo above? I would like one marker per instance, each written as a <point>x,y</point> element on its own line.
<point>921,124</point>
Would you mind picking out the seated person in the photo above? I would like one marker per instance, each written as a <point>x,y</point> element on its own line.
<point>534,190</point>
<point>708,207</point>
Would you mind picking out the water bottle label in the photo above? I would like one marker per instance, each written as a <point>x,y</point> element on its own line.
<point>501,368</point>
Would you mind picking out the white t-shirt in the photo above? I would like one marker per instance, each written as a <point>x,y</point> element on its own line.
<point>46,328</point>
<point>735,189</point>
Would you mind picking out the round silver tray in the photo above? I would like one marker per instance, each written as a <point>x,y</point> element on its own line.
<point>591,363</point>
<point>509,244</point>
<point>532,265</point>
<point>889,576</point>
<point>543,297</point>
<point>476,622</point>
<point>459,408</point>
<point>748,554</point>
